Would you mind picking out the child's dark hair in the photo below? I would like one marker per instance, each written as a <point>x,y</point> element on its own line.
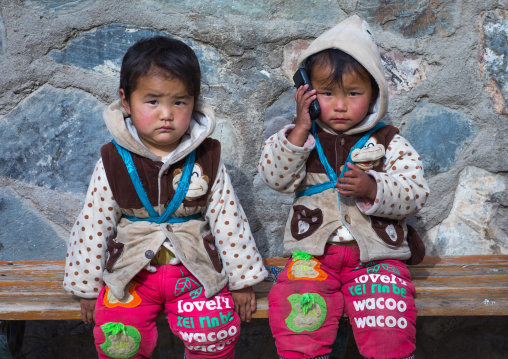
<point>340,63</point>
<point>162,56</point>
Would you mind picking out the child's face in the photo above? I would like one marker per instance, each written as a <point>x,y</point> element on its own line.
<point>342,107</point>
<point>161,110</point>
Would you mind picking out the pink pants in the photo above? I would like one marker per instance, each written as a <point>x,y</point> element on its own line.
<point>310,296</point>
<point>209,328</point>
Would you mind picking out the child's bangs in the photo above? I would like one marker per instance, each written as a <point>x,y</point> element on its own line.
<point>339,63</point>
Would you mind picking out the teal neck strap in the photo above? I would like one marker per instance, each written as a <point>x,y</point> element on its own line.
<point>332,176</point>
<point>181,191</point>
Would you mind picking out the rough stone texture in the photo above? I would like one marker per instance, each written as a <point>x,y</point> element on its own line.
<point>101,50</point>
<point>445,63</point>
<point>403,73</point>
<point>58,126</point>
<point>479,211</point>
<point>449,132</point>
<point>2,38</point>
<point>37,238</point>
<point>494,53</point>
<point>263,9</point>
<point>414,18</point>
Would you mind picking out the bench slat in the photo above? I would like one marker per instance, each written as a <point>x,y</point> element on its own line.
<point>447,286</point>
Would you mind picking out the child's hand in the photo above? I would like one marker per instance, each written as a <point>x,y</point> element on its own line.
<point>303,123</point>
<point>88,310</point>
<point>357,183</point>
<point>245,303</point>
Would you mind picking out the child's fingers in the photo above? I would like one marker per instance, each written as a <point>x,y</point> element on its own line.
<point>352,167</point>
<point>248,312</point>
<point>242,312</point>
<point>300,92</point>
<point>253,304</point>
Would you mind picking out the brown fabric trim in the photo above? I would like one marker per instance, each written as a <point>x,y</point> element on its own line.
<point>305,221</point>
<point>337,147</point>
<point>213,252</point>
<point>416,246</point>
<point>389,230</point>
<point>114,252</point>
<point>207,156</point>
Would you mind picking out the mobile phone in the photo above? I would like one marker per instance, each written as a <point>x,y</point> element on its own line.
<point>301,78</point>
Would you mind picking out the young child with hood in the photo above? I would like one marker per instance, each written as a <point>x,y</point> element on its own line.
<point>355,181</point>
<point>162,228</point>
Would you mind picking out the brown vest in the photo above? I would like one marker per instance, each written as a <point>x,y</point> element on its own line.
<point>321,211</point>
<point>207,156</point>
<point>137,242</point>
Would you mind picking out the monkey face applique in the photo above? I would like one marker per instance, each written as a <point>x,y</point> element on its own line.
<point>305,221</point>
<point>368,156</point>
<point>198,184</point>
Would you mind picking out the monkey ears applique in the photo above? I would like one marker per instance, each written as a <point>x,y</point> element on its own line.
<point>198,182</point>
<point>368,157</point>
<point>305,221</point>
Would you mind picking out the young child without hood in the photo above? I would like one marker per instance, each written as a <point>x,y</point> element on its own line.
<point>162,228</point>
<point>355,181</point>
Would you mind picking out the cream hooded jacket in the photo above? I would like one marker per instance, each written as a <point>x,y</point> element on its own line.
<point>101,219</point>
<point>326,217</point>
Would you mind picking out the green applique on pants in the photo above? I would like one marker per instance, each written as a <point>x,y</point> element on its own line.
<point>308,312</point>
<point>122,341</point>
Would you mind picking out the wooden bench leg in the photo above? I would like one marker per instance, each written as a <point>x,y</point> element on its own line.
<point>11,338</point>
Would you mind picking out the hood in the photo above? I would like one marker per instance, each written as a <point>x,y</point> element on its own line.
<point>354,37</point>
<point>201,126</point>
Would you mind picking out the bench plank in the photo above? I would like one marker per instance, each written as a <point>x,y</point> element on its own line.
<point>446,286</point>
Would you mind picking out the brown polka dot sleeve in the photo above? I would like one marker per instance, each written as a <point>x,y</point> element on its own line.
<point>282,164</point>
<point>87,244</point>
<point>240,257</point>
<point>402,189</point>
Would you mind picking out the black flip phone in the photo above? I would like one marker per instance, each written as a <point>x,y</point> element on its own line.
<point>301,78</point>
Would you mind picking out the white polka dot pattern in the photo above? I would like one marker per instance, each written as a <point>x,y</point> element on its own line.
<point>97,221</point>
<point>282,164</point>
<point>86,250</point>
<point>402,189</point>
<point>235,243</point>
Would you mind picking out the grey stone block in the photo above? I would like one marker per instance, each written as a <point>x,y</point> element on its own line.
<point>263,9</point>
<point>53,139</point>
<point>439,134</point>
<point>494,59</point>
<point>25,234</point>
<point>101,51</point>
<point>413,18</point>
<point>2,38</point>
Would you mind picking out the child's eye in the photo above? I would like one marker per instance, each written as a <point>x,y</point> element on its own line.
<point>179,103</point>
<point>353,93</point>
<point>327,94</point>
<point>153,102</point>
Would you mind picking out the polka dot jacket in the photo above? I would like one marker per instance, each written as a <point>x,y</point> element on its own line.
<point>378,226</point>
<point>100,233</point>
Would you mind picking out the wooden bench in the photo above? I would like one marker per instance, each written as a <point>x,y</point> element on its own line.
<point>446,286</point>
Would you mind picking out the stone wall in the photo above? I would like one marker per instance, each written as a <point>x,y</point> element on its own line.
<point>446,64</point>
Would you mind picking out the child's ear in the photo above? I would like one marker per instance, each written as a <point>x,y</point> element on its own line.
<point>125,102</point>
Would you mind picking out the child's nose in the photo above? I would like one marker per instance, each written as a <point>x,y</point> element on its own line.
<point>166,113</point>
<point>340,105</point>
